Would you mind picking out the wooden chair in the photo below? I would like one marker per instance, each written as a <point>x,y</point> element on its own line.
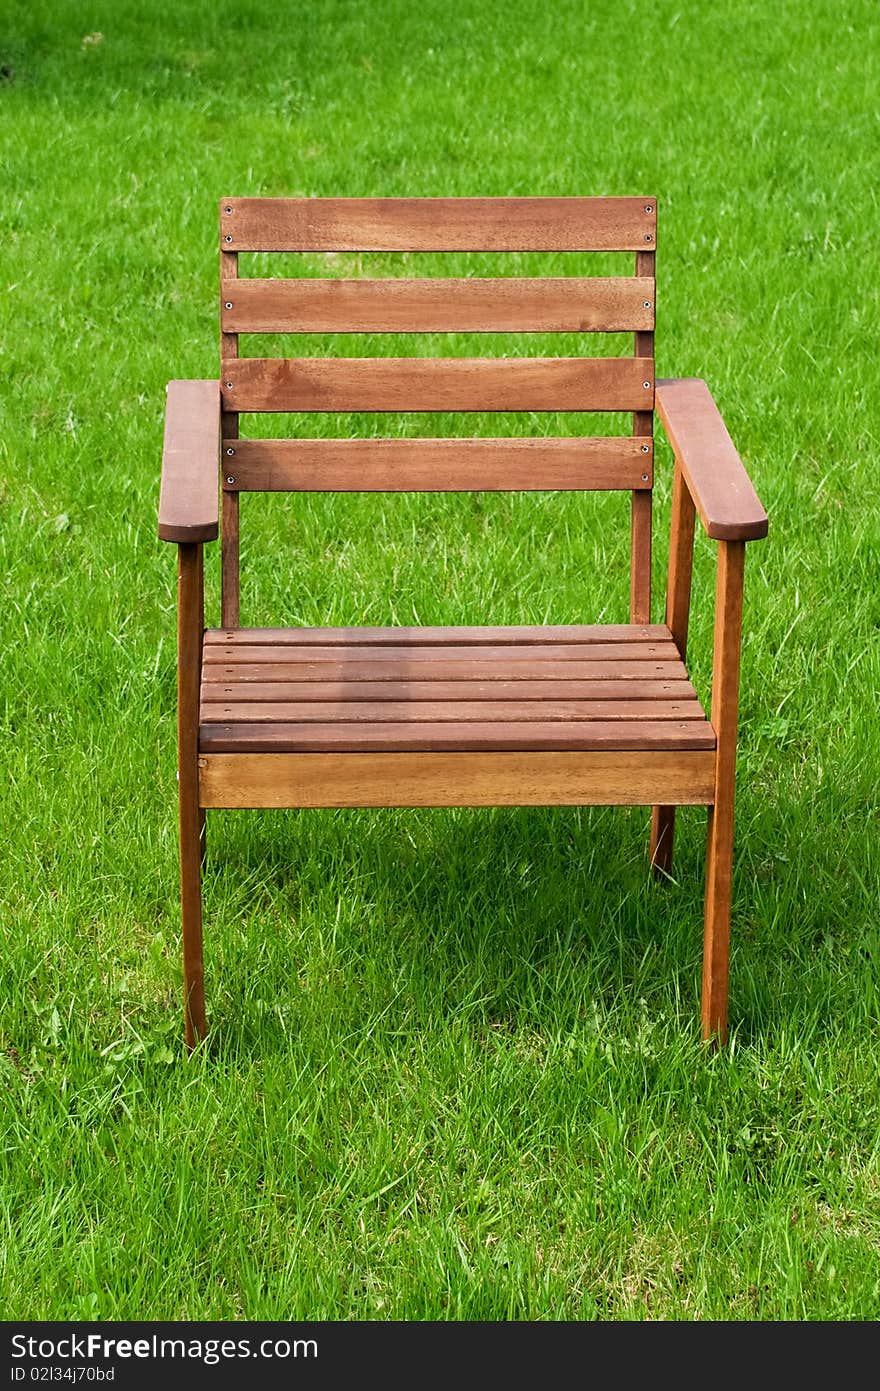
<point>416,717</point>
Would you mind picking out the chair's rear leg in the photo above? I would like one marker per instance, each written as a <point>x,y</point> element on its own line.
<point>662,838</point>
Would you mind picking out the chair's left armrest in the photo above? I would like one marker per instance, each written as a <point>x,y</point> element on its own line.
<point>722,491</point>
<point>189,494</point>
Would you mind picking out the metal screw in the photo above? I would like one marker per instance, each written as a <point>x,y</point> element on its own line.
<point>229,386</point>
<point>229,238</point>
<point>648,208</point>
<point>644,478</point>
<point>646,385</point>
<point>230,452</point>
<point>644,449</point>
<point>646,305</point>
<point>229,210</point>
<point>648,237</point>
<point>228,304</point>
<point>229,478</point>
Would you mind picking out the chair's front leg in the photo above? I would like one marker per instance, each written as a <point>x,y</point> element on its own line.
<point>678,607</point>
<point>203,820</point>
<point>719,853</point>
<point>190,628</point>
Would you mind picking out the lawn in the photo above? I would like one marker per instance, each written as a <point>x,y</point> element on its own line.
<point>454,1069</point>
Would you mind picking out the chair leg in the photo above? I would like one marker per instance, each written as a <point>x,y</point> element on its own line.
<point>190,628</point>
<point>716,939</point>
<point>662,837</point>
<point>191,823</point>
<point>719,849</point>
<point>203,836</point>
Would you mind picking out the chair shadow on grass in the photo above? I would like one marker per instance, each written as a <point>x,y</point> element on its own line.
<point>516,917</point>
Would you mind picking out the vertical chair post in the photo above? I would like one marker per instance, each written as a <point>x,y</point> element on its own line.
<point>190,625</point>
<point>678,607</point>
<point>203,820</point>
<point>640,524</point>
<point>229,529</point>
<point>719,852</point>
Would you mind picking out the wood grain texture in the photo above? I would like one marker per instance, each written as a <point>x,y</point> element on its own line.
<point>189,496</point>
<point>516,635</point>
<point>719,848</point>
<point>723,494</point>
<point>190,622</point>
<point>353,667</point>
<point>417,654</point>
<point>230,585</point>
<point>437,224</point>
<point>436,465</point>
<point>681,563</point>
<point>515,304</point>
<point>218,691</point>
<point>230,606</point>
<point>678,604</point>
<point>641,514</point>
<point>241,710</point>
<point>548,778</point>
<point>438,384</point>
<point>465,736</point>
<point>485,708</point>
<point>640,558</point>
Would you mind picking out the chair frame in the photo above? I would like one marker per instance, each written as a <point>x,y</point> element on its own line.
<point>709,481</point>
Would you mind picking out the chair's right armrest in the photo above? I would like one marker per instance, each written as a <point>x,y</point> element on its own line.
<point>722,491</point>
<point>189,507</point>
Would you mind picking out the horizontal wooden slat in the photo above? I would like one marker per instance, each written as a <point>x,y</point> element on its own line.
<point>218,689</point>
<point>438,384</point>
<point>438,224</point>
<point>512,305</point>
<point>469,736</point>
<point>540,635</point>
<point>535,778</point>
<point>405,653</point>
<point>437,711</point>
<point>437,465</point>
<point>348,667</point>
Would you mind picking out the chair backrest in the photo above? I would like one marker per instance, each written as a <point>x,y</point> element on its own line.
<point>512,304</point>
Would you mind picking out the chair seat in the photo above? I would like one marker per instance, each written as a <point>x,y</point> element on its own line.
<point>431,690</point>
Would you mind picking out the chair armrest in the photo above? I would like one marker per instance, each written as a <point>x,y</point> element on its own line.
<point>189,494</point>
<point>722,492</point>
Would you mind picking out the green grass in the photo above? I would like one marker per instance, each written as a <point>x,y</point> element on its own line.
<point>454,1069</point>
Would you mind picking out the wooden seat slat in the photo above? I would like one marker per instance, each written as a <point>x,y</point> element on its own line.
<point>254,737</point>
<point>596,652</point>
<point>236,711</point>
<point>214,690</point>
<point>541,636</point>
<point>446,669</point>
